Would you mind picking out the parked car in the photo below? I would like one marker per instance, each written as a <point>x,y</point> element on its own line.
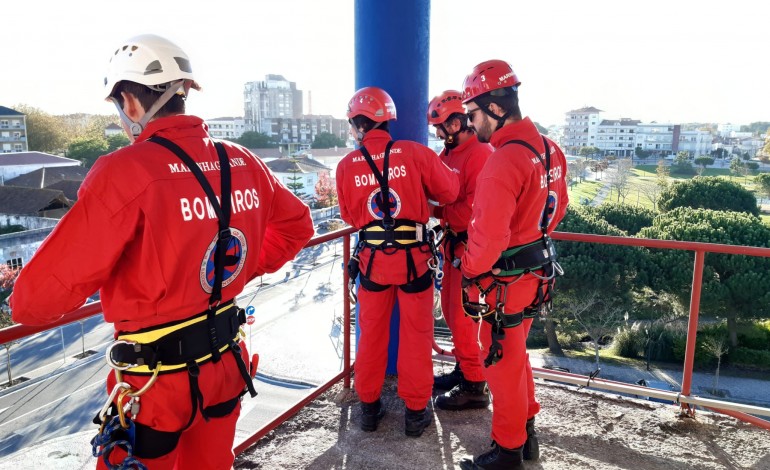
<point>332,224</point>
<point>657,384</point>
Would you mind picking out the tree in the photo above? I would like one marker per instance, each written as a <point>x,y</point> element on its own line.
<point>589,151</point>
<point>662,172</point>
<point>256,140</point>
<point>45,133</point>
<point>88,149</point>
<point>327,140</point>
<point>751,167</point>
<point>642,154</point>
<point>619,178</point>
<point>709,193</point>
<point>326,191</point>
<point>651,191</point>
<point>757,128</point>
<point>734,286</point>
<point>595,315</point>
<point>763,180</point>
<point>541,129</point>
<point>116,141</point>
<point>717,347</point>
<point>736,166</point>
<point>628,218</point>
<point>8,276</point>
<point>682,165</point>
<point>702,163</point>
<point>295,183</point>
<point>613,269</point>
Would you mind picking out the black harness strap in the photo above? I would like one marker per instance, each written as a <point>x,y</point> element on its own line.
<point>384,203</point>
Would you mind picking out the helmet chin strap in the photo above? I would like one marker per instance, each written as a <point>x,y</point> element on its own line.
<point>136,128</point>
<point>360,135</point>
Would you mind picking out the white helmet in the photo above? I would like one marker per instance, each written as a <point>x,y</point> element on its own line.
<point>155,62</point>
<point>149,60</point>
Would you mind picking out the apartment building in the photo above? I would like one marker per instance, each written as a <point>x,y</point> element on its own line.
<point>228,128</point>
<point>581,129</point>
<point>13,131</point>
<point>273,98</point>
<point>617,137</point>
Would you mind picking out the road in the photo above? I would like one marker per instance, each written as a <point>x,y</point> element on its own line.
<point>296,311</point>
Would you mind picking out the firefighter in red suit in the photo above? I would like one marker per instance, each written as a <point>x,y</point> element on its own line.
<point>465,155</point>
<point>393,254</point>
<point>148,235</point>
<point>510,262</point>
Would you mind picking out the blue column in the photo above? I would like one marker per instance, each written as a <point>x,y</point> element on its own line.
<point>392,40</point>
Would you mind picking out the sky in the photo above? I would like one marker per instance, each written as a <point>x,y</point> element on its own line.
<point>664,61</point>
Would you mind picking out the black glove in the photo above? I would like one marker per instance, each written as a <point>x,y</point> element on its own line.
<point>353,269</point>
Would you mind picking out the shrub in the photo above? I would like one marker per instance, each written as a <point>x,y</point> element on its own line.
<point>749,358</point>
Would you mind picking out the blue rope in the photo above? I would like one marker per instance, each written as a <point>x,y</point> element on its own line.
<point>102,445</point>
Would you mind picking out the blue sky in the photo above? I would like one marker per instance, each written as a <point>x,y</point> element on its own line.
<point>668,61</point>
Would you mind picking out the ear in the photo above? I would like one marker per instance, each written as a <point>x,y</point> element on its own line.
<point>496,110</point>
<point>132,107</point>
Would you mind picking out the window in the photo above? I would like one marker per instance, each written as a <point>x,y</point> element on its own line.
<point>4,124</point>
<point>15,263</point>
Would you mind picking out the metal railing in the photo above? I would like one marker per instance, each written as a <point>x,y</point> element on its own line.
<point>683,397</point>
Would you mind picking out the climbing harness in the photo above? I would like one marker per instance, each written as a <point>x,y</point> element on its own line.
<point>173,347</point>
<point>537,259</point>
<point>388,235</point>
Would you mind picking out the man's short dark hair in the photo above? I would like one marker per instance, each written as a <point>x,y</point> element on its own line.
<point>367,124</point>
<point>147,97</point>
<point>506,98</point>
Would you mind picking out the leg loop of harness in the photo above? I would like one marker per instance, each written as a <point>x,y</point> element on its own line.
<point>236,349</point>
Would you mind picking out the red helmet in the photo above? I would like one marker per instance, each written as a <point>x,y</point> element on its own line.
<point>488,76</point>
<point>443,106</point>
<point>372,102</point>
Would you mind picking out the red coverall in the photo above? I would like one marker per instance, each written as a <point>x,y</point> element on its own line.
<point>466,160</point>
<point>510,197</point>
<point>141,232</point>
<point>416,174</point>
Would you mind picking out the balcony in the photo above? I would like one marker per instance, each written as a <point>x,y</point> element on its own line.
<point>310,418</point>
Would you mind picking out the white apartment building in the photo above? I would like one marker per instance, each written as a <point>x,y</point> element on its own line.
<point>228,128</point>
<point>617,137</point>
<point>696,143</point>
<point>657,138</point>
<point>581,129</point>
<point>13,131</point>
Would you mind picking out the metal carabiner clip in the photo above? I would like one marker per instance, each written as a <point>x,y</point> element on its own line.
<point>116,365</point>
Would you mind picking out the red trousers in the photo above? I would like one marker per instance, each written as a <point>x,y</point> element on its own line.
<point>415,345</point>
<point>510,379</point>
<point>464,329</point>
<point>167,406</point>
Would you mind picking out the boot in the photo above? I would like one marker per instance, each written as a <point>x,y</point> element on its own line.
<point>415,422</point>
<point>467,395</point>
<point>448,381</point>
<point>531,450</point>
<point>371,414</point>
<point>498,458</point>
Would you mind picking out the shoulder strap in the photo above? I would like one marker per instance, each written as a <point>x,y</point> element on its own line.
<point>547,165</point>
<point>222,211</point>
<point>384,203</point>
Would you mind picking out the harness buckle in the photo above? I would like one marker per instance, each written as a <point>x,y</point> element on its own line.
<point>120,365</point>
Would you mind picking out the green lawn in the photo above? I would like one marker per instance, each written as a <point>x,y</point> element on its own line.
<point>582,191</point>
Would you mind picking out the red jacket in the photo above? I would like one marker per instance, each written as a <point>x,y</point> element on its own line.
<point>466,160</point>
<point>415,174</point>
<point>510,196</point>
<point>142,232</point>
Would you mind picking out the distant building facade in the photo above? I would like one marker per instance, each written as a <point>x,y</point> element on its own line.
<point>227,128</point>
<point>298,134</point>
<point>617,137</point>
<point>581,129</point>
<point>273,98</point>
<point>13,131</point>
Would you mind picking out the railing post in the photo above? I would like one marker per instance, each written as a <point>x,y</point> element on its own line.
<point>346,310</point>
<point>692,328</point>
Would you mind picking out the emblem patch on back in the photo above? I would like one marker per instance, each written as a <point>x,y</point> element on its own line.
<point>375,201</point>
<point>235,258</point>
